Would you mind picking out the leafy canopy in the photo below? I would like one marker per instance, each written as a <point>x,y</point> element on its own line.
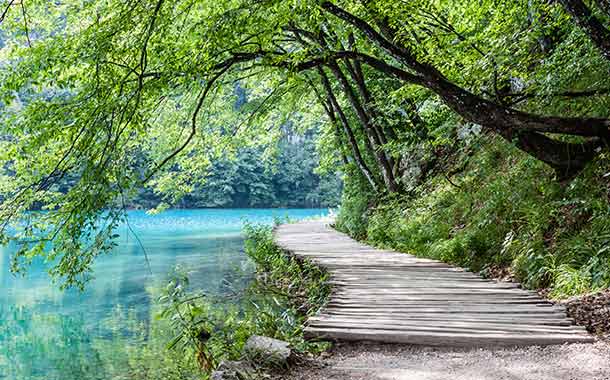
<point>100,98</point>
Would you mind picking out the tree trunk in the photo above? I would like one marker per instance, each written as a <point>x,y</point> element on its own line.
<point>384,164</point>
<point>353,142</point>
<point>567,159</point>
<point>385,129</point>
<point>590,24</point>
<point>368,106</point>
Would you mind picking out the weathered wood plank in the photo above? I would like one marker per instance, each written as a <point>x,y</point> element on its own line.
<point>406,324</point>
<point>388,296</point>
<point>473,328</point>
<point>444,318</point>
<point>445,338</point>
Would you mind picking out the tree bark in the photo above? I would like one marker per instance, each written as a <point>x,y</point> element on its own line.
<point>368,107</point>
<point>382,160</point>
<point>508,122</point>
<point>591,25</point>
<point>566,158</point>
<point>353,142</point>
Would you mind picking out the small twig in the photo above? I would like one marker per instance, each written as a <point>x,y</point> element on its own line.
<point>5,12</point>
<point>124,207</point>
<point>519,97</point>
<point>25,23</point>
<point>261,106</point>
<point>451,182</point>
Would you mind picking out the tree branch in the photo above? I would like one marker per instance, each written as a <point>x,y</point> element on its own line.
<point>25,23</point>
<point>591,25</point>
<point>6,9</point>
<point>198,107</point>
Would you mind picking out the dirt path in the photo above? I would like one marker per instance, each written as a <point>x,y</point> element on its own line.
<point>399,362</point>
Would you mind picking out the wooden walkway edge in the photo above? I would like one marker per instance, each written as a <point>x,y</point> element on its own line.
<point>392,297</point>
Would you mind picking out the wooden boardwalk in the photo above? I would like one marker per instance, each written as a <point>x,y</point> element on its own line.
<point>392,297</point>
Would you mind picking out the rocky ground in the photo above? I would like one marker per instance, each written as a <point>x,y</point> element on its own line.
<point>399,362</point>
<point>591,311</point>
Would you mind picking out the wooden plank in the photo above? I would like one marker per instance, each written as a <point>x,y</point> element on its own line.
<point>346,320</point>
<point>439,302</point>
<point>515,318</point>
<point>420,285</point>
<point>446,339</point>
<point>346,295</point>
<point>444,318</point>
<point>473,328</point>
<point>444,310</point>
<point>393,297</point>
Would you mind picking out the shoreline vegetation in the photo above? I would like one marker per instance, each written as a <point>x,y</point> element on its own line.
<point>212,334</point>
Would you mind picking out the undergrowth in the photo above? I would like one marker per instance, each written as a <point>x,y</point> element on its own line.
<point>286,291</point>
<point>505,212</point>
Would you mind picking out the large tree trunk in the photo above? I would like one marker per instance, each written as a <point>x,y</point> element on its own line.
<point>353,142</point>
<point>591,25</point>
<point>509,123</point>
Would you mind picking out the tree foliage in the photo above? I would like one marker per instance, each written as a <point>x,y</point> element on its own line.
<point>114,95</point>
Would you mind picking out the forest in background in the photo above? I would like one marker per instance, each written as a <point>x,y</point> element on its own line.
<point>249,181</point>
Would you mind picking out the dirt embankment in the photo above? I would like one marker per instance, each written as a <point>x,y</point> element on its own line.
<point>591,311</point>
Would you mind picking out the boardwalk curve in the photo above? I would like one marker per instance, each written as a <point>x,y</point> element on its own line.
<point>392,297</point>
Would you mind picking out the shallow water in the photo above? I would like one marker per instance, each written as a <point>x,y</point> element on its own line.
<point>53,335</point>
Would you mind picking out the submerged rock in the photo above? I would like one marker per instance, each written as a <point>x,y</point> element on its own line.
<point>265,350</point>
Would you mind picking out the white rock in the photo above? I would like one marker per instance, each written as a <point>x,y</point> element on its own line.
<point>268,350</point>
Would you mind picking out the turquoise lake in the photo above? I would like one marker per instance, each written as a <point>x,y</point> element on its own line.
<point>48,334</point>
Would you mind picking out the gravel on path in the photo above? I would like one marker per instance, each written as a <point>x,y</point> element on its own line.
<point>399,362</point>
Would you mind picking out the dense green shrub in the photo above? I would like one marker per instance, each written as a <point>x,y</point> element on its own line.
<point>355,203</point>
<point>302,285</point>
